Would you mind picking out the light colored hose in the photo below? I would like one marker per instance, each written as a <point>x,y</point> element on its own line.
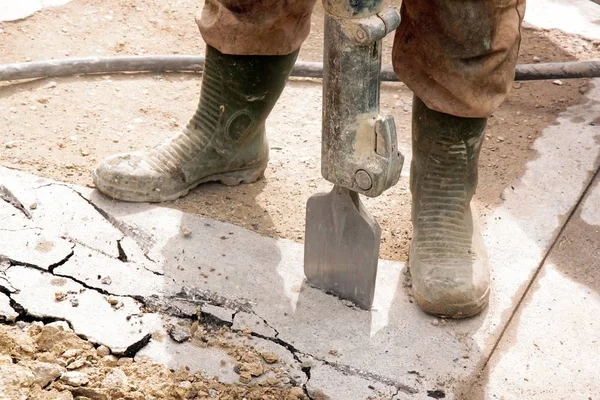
<point>187,63</point>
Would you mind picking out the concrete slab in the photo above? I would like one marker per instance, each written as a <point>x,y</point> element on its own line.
<point>7,313</point>
<point>14,10</point>
<point>90,313</point>
<point>316,324</point>
<point>550,349</point>
<point>572,16</point>
<point>590,209</point>
<point>35,248</point>
<point>330,383</point>
<point>110,274</point>
<point>244,274</point>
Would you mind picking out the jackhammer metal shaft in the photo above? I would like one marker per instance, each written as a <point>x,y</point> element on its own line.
<point>359,152</point>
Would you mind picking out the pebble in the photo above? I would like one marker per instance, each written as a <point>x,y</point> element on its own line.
<point>71,353</point>
<point>110,361</point>
<point>43,100</point>
<point>106,280</point>
<point>33,206</point>
<point>102,351</point>
<point>44,372</point>
<point>5,359</point>
<point>115,379</point>
<point>11,144</point>
<point>185,231</point>
<point>501,139</point>
<point>297,392</point>
<point>50,85</point>
<point>180,333</point>
<point>558,82</point>
<point>112,301</point>
<point>435,322</point>
<point>270,358</point>
<point>74,302</point>
<point>76,364</point>
<point>75,378</point>
<point>536,59</point>
<point>60,296</point>
<point>125,361</point>
<point>245,377</point>
<point>185,390</point>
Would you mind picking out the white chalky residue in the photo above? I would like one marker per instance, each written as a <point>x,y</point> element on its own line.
<point>591,207</point>
<point>11,10</point>
<point>571,16</point>
<point>516,232</point>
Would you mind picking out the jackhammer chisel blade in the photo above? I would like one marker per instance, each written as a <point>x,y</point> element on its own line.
<point>341,247</point>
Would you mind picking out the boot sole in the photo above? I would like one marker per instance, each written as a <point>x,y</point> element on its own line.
<point>454,311</point>
<point>232,178</point>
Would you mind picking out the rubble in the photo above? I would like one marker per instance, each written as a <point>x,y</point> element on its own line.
<point>34,371</point>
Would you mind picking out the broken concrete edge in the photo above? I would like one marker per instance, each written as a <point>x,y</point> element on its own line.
<point>164,306</point>
<point>7,312</point>
<point>151,304</point>
<point>194,296</point>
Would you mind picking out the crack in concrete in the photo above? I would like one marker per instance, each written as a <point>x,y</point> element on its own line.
<point>25,315</point>
<point>22,229</point>
<point>52,267</point>
<point>190,295</point>
<point>11,199</point>
<point>198,297</point>
<point>201,297</point>
<point>122,255</point>
<point>539,268</point>
<point>82,244</point>
<point>142,238</point>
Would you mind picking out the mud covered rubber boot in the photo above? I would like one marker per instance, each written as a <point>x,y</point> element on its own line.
<point>224,141</point>
<point>447,262</point>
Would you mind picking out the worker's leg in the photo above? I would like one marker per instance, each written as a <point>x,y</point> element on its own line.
<point>458,57</point>
<point>251,48</point>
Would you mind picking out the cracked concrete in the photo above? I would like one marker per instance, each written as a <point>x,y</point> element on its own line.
<point>7,313</point>
<point>119,273</point>
<point>125,277</point>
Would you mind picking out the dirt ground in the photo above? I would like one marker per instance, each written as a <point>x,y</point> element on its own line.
<point>60,129</point>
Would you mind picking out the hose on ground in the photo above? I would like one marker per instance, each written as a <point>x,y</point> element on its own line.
<point>187,63</point>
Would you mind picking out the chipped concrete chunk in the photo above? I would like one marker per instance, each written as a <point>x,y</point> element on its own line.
<point>115,379</point>
<point>44,372</point>
<point>7,313</point>
<point>270,358</point>
<point>75,378</point>
<point>95,318</point>
<point>103,351</point>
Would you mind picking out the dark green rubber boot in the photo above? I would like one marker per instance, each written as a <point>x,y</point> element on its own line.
<point>224,141</point>
<point>448,261</point>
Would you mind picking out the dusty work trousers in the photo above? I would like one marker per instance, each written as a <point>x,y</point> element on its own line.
<point>458,56</point>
